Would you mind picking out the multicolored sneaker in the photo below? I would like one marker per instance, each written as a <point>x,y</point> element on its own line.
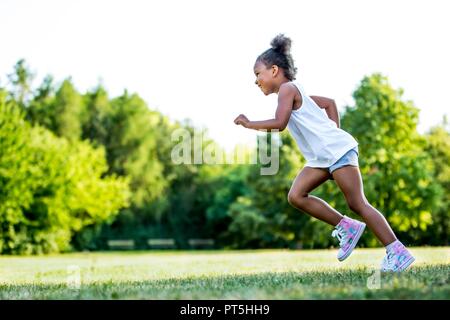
<point>397,258</point>
<point>348,231</point>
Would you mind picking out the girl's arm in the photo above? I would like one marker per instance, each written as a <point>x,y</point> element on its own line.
<point>330,108</point>
<point>286,96</point>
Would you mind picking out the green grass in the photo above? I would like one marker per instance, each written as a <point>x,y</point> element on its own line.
<point>249,274</point>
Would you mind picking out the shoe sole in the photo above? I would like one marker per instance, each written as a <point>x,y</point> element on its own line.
<point>355,241</point>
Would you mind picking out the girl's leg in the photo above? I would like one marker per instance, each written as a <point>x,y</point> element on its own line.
<point>349,180</point>
<point>306,181</point>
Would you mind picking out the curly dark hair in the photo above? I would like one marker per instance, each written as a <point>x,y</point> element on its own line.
<point>280,55</point>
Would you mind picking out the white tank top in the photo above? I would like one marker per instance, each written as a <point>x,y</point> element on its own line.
<point>321,142</point>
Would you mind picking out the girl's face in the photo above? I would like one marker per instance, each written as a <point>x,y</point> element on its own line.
<point>264,77</point>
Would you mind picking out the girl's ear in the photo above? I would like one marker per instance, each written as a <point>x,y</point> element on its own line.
<point>275,70</point>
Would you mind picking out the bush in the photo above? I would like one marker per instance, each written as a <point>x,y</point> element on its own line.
<point>50,189</point>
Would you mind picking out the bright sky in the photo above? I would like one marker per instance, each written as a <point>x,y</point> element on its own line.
<point>194,59</point>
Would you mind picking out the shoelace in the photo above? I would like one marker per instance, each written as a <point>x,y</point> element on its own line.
<point>340,234</point>
<point>389,259</point>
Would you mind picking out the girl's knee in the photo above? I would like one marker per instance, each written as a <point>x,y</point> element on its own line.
<point>296,199</point>
<point>291,198</point>
<point>358,206</point>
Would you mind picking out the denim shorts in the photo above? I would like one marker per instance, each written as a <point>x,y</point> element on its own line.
<point>348,159</point>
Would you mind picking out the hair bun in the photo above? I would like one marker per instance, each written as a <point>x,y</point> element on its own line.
<point>281,43</point>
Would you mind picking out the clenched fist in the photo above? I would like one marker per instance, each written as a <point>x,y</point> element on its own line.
<point>242,120</point>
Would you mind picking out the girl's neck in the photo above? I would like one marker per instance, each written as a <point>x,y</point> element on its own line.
<point>284,80</point>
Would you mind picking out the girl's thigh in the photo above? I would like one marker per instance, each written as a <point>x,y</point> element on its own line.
<point>308,179</point>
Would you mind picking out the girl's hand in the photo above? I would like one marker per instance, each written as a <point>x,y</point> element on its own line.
<point>242,120</point>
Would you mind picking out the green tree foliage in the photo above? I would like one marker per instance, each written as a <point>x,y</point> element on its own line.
<point>131,147</point>
<point>58,111</point>
<point>21,81</point>
<point>97,118</point>
<point>192,187</point>
<point>396,170</point>
<point>40,110</point>
<point>15,182</point>
<point>231,188</point>
<point>130,133</point>
<point>124,126</point>
<point>127,128</point>
<point>438,147</point>
<point>68,107</point>
<point>50,188</point>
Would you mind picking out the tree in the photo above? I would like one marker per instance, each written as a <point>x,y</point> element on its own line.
<point>97,118</point>
<point>396,170</point>
<point>40,111</point>
<point>68,107</point>
<point>130,133</point>
<point>131,147</point>
<point>58,110</point>
<point>50,188</point>
<point>438,147</point>
<point>21,80</point>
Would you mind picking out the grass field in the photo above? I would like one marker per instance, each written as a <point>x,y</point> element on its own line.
<point>250,274</point>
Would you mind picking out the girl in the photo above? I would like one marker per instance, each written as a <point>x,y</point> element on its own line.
<point>330,152</point>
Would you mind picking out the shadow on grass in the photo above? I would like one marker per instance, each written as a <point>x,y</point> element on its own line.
<point>423,282</point>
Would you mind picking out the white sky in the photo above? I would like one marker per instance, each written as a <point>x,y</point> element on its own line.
<point>194,59</point>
